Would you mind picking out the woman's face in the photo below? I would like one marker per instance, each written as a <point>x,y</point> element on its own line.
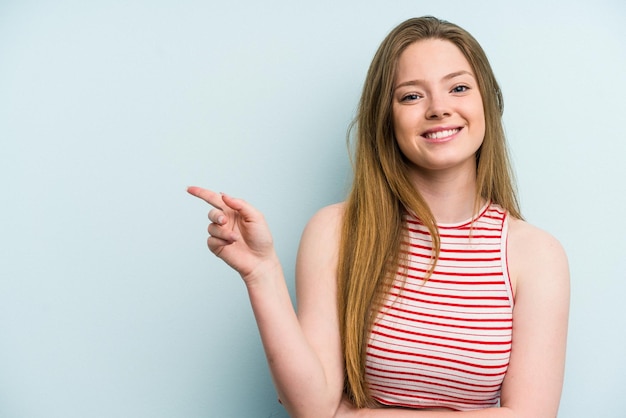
<point>438,115</point>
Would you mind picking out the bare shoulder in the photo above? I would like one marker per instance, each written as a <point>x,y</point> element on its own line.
<point>327,217</point>
<point>528,240</point>
<point>322,232</point>
<point>319,245</point>
<point>534,254</point>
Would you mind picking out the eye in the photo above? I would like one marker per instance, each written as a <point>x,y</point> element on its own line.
<point>460,89</point>
<point>410,97</point>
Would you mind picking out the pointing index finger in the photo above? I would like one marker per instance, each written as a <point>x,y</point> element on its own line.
<point>212,198</point>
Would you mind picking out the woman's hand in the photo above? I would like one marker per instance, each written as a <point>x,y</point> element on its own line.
<point>238,234</point>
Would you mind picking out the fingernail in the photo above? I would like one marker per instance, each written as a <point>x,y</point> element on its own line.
<point>220,220</point>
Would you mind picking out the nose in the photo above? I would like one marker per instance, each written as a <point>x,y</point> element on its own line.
<point>438,107</point>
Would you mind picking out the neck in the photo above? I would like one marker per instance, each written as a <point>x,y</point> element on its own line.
<point>451,196</point>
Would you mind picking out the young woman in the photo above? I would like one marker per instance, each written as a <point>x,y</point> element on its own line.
<point>425,294</point>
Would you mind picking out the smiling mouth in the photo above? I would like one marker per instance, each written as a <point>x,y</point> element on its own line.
<point>441,134</point>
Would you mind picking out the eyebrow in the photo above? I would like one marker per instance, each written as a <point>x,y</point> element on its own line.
<point>446,77</point>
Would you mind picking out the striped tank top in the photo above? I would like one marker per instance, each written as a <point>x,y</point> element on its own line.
<point>446,342</point>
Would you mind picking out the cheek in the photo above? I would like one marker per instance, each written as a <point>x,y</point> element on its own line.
<point>400,130</point>
<point>402,123</point>
<point>479,119</point>
<point>481,124</point>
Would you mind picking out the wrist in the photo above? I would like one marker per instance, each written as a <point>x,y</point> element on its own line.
<point>265,272</point>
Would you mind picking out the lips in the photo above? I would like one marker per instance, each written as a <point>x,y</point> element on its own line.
<point>440,134</point>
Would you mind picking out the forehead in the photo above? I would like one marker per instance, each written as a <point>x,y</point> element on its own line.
<point>430,59</point>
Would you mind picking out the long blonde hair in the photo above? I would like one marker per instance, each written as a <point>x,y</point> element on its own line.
<point>381,189</point>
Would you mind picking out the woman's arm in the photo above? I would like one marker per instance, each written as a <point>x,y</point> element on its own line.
<point>538,265</point>
<point>303,355</point>
<point>534,379</point>
<point>316,293</point>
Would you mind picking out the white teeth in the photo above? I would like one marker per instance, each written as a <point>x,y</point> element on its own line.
<point>441,134</point>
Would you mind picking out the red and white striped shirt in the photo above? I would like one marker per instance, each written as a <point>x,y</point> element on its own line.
<point>446,342</point>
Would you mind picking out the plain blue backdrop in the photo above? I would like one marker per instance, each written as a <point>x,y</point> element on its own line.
<point>110,303</point>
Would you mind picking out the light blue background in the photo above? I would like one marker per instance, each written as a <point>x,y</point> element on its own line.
<point>110,303</point>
